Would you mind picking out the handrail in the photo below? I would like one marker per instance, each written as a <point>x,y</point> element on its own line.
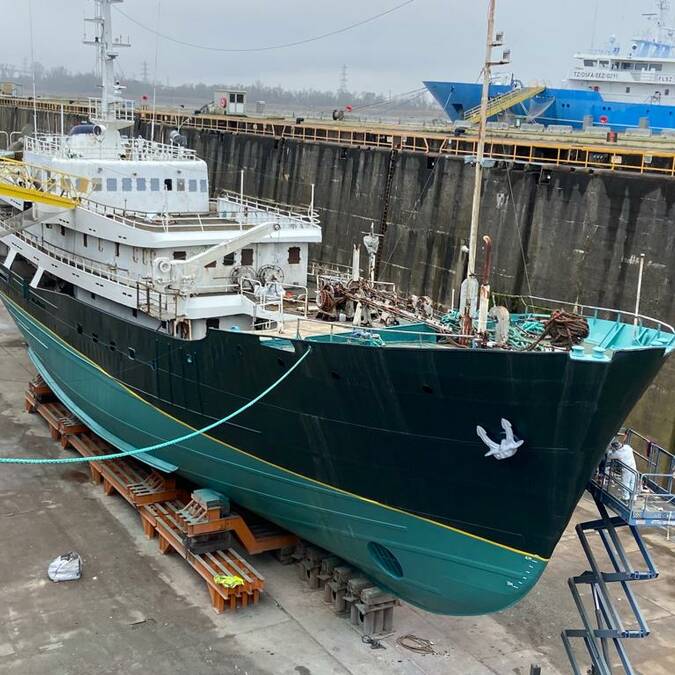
<point>661,324</point>
<point>134,149</point>
<point>268,206</point>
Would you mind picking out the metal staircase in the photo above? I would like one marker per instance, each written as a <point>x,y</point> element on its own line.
<point>638,497</point>
<point>503,102</point>
<point>23,182</point>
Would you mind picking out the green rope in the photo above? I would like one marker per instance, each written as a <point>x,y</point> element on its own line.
<point>165,444</point>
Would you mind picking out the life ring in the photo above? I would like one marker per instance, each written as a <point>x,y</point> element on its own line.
<point>604,119</point>
<point>163,265</point>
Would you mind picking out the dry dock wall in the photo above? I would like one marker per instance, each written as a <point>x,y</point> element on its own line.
<point>574,236</point>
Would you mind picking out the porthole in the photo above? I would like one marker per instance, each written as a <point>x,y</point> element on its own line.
<point>132,353</point>
<point>427,389</point>
<point>334,375</point>
<point>385,559</point>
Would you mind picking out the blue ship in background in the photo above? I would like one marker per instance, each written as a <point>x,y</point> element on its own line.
<point>613,87</point>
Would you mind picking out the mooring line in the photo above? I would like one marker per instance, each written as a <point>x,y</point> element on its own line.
<point>164,444</point>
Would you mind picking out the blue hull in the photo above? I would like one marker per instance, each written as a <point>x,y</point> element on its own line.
<point>558,106</point>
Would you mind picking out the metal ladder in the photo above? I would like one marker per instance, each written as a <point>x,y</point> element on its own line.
<point>645,498</point>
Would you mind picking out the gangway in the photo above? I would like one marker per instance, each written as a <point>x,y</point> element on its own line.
<point>31,194</point>
<point>642,497</point>
<point>504,102</point>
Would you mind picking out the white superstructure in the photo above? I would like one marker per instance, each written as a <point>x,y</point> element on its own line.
<point>145,240</point>
<point>642,72</point>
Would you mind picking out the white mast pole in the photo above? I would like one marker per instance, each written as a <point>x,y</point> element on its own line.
<point>475,211</point>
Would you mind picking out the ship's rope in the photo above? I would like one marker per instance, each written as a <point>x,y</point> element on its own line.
<point>164,444</point>
<point>563,330</point>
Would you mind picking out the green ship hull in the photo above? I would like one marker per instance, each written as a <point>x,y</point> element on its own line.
<point>450,548</point>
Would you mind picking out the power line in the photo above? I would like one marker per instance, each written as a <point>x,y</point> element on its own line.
<point>297,43</point>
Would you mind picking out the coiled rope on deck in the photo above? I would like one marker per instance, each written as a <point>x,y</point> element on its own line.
<point>164,444</point>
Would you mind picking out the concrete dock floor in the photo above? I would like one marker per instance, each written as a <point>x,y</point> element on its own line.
<point>135,610</point>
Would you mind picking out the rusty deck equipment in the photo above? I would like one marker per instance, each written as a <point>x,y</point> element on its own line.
<point>197,525</point>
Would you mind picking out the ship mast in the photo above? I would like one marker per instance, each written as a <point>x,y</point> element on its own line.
<point>471,283</point>
<point>480,155</point>
<point>106,47</point>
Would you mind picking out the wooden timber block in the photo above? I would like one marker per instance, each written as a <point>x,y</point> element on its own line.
<point>30,402</point>
<point>40,390</point>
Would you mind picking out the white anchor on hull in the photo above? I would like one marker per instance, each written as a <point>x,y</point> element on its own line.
<point>506,448</point>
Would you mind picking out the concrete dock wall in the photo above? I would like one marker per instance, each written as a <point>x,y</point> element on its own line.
<point>574,236</point>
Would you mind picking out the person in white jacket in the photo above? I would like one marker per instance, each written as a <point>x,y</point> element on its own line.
<point>625,454</point>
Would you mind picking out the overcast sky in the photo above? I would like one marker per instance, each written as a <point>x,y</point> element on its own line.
<point>427,39</point>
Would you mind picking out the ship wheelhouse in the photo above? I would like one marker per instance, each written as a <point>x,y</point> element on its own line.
<point>645,73</point>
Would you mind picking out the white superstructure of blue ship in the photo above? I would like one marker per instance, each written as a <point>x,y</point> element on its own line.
<point>618,86</point>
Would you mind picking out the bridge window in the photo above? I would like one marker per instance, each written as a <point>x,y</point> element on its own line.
<point>192,185</point>
<point>604,64</point>
<point>85,240</point>
<point>179,255</point>
<point>82,184</point>
<point>154,184</point>
<point>246,256</point>
<point>126,184</point>
<point>228,260</point>
<point>96,184</point>
<point>63,231</point>
<point>203,185</point>
<point>628,90</point>
<point>180,184</point>
<point>168,184</point>
<point>213,323</point>
<point>589,64</point>
<point>111,184</point>
<point>667,92</point>
<point>140,184</point>
<point>117,249</point>
<point>294,255</point>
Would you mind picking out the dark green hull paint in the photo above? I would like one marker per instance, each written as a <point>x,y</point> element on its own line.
<point>354,447</point>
